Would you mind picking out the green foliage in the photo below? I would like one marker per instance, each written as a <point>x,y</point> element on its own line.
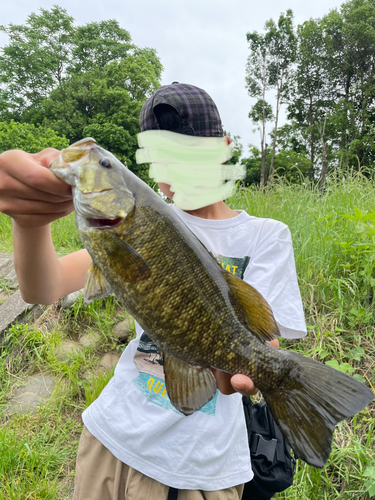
<point>359,266</point>
<point>268,67</point>
<point>35,59</point>
<point>333,84</point>
<point>29,138</point>
<point>48,48</point>
<point>104,104</point>
<point>289,165</point>
<point>370,483</point>
<point>80,81</point>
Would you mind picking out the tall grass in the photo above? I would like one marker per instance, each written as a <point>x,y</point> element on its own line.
<point>334,243</point>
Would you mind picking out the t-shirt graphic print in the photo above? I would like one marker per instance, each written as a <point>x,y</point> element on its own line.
<point>149,362</point>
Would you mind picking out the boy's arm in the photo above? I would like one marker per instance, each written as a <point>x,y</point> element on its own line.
<point>42,276</point>
<point>34,197</point>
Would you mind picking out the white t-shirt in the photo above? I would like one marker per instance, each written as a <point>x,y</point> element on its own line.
<point>133,416</point>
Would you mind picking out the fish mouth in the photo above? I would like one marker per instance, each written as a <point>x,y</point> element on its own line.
<point>103,223</point>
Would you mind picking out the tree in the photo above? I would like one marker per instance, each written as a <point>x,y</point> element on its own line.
<point>282,43</point>
<point>257,84</point>
<point>259,114</point>
<point>311,94</point>
<point>89,81</point>
<point>288,164</point>
<point>35,60</point>
<point>29,138</point>
<point>49,49</point>
<point>104,104</point>
<point>268,66</point>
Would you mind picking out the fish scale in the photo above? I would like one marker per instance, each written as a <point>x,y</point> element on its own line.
<point>198,314</point>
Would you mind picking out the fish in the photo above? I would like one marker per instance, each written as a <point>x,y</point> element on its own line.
<point>199,315</point>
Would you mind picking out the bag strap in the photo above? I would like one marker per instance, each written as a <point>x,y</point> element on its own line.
<point>172,494</point>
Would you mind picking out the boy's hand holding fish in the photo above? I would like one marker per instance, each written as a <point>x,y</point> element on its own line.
<point>29,192</point>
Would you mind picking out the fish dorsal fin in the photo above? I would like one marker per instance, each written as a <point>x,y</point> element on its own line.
<point>258,313</point>
<point>126,262</point>
<point>189,387</point>
<point>96,286</point>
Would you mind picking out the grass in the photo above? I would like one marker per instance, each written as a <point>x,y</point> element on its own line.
<point>334,241</point>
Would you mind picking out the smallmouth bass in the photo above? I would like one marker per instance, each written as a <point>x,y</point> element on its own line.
<point>144,253</point>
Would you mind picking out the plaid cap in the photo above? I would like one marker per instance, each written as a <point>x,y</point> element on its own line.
<point>196,108</point>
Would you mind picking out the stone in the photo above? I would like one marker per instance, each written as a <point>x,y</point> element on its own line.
<point>71,299</point>
<point>6,264</point>
<point>7,272</point>
<point>66,349</point>
<point>11,279</point>
<point>12,309</point>
<point>91,339</point>
<point>28,398</point>
<point>3,296</point>
<point>109,361</point>
<point>124,331</point>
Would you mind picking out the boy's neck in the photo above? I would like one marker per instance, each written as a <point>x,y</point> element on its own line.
<point>216,211</point>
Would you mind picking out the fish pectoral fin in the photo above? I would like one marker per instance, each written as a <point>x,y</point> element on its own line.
<point>96,286</point>
<point>257,311</point>
<point>189,387</point>
<point>126,262</point>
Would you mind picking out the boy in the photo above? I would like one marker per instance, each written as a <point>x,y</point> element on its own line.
<point>134,445</point>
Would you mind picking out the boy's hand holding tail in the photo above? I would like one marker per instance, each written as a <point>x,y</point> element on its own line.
<point>229,384</point>
<point>29,192</point>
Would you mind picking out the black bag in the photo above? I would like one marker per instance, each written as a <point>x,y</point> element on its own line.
<point>271,459</point>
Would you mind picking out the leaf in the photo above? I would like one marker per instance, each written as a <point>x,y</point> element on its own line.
<point>323,354</point>
<point>345,368</point>
<point>371,491</point>
<point>356,353</point>
<point>358,213</point>
<point>333,362</point>
<point>369,472</point>
<point>359,377</point>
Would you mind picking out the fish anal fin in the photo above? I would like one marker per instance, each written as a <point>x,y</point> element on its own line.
<point>189,387</point>
<point>257,312</point>
<point>96,286</point>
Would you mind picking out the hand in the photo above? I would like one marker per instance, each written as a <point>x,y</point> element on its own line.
<point>229,384</point>
<point>29,192</point>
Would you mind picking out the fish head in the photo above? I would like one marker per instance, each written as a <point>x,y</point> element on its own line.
<point>100,195</point>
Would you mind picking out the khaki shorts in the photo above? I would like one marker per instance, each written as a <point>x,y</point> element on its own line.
<point>101,476</point>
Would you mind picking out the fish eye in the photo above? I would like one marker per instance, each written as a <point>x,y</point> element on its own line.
<point>104,162</point>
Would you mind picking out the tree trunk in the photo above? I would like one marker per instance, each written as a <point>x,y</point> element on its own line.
<point>271,172</point>
<point>263,169</point>
<point>323,174</point>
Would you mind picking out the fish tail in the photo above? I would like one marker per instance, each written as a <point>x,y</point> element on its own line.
<point>314,398</point>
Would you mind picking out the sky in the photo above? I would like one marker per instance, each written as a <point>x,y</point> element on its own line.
<point>201,42</point>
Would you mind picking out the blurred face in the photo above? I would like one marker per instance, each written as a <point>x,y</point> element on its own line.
<point>165,188</point>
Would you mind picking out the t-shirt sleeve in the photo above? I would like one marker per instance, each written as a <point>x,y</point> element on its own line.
<point>272,272</point>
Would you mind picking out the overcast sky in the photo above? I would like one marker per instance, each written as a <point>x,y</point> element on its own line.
<point>202,42</point>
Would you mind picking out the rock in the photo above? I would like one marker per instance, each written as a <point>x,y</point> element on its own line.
<point>12,309</point>
<point>66,349</point>
<point>71,299</point>
<point>27,398</point>
<point>109,361</point>
<point>7,272</point>
<point>124,331</point>
<point>91,339</point>
<point>3,297</point>
<point>6,264</point>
